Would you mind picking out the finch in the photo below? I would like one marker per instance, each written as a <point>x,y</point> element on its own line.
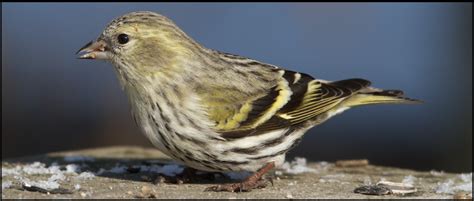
<point>215,111</point>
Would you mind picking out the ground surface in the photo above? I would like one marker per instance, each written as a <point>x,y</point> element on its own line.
<point>126,172</point>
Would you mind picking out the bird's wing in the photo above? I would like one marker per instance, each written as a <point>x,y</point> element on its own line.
<point>293,99</point>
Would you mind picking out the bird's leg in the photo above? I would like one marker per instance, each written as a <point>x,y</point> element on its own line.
<point>251,182</point>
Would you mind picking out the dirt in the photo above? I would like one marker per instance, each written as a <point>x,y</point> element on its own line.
<point>326,181</point>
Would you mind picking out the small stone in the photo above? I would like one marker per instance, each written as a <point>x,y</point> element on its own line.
<point>145,178</point>
<point>83,194</point>
<point>130,193</point>
<point>289,196</point>
<point>462,195</point>
<point>352,163</point>
<point>373,190</point>
<point>160,180</point>
<point>146,190</point>
<point>386,187</point>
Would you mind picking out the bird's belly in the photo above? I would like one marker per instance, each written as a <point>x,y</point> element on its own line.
<point>212,158</point>
<point>151,132</point>
<point>199,155</point>
<point>213,154</point>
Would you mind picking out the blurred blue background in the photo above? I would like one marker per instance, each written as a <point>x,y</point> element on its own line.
<point>52,101</point>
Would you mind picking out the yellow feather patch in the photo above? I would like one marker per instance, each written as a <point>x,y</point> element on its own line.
<point>311,105</point>
<point>280,101</point>
<point>235,120</point>
<point>308,101</point>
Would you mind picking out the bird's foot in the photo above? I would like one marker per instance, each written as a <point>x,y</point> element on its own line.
<point>252,182</point>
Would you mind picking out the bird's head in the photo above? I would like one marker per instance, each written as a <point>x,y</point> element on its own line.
<point>143,42</point>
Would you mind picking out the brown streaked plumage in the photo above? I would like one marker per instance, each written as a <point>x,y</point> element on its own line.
<point>216,111</point>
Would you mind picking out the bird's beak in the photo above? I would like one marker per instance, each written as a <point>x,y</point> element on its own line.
<point>93,50</point>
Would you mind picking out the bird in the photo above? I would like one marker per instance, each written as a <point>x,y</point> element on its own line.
<point>215,111</point>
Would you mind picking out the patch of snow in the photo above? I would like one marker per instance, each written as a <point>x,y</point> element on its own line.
<point>57,177</point>
<point>78,158</point>
<point>436,173</point>
<point>86,175</point>
<point>323,165</point>
<point>42,184</point>
<point>278,172</point>
<point>11,171</point>
<point>410,180</point>
<point>54,169</point>
<point>464,187</point>
<point>73,168</point>
<point>101,171</point>
<point>35,168</point>
<point>6,184</point>
<point>77,187</point>
<point>466,177</point>
<point>297,166</point>
<point>467,185</point>
<point>51,183</point>
<point>445,187</point>
<point>449,187</point>
<point>118,169</point>
<point>367,181</point>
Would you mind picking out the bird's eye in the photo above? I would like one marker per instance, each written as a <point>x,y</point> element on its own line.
<point>122,38</point>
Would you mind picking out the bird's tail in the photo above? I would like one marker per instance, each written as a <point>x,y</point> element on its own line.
<point>377,96</point>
